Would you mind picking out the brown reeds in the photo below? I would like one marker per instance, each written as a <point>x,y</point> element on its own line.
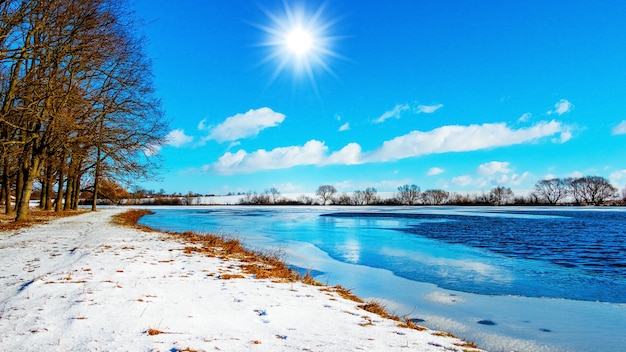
<point>131,217</point>
<point>378,308</point>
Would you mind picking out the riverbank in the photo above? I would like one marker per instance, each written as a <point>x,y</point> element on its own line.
<point>84,283</point>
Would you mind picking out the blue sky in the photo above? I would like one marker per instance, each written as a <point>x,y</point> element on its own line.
<point>454,95</point>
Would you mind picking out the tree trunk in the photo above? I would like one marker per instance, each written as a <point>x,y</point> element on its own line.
<point>19,186</point>
<point>96,181</point>
<point>59,199</point>
<point>69,189</point>
<point>47,184</point>
<point>29,174</point>
<point>75,194</point>
<point>7,186</point>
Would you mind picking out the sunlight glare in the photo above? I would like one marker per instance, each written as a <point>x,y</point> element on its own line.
<point>298,39</point>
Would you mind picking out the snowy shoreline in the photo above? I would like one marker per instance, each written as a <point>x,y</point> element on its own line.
<point>82,283</point>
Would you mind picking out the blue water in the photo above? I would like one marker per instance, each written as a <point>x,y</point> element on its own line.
<point>526,279</point>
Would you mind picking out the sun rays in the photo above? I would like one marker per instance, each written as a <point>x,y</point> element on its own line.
<point>299,41</point>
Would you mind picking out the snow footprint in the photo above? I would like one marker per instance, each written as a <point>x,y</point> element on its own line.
<point>263,314</point>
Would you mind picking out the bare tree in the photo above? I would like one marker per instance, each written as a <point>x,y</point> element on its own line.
<point>501,196</point>
<point>435,196</point>
<point>551,191</point>
<point>358,198</point>
<point>370,195</point>
<point>408,195</point>
<point>591,189</point>
<point>326,193</point>
<point>343,199</point>
<point>273,194</point>
<point>75,84</point>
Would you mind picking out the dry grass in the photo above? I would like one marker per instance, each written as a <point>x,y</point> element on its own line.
<point>152,332</point>
<point>378,308</point>
<point>131,217</point>
<point>35,216</point>
<point>346,293</point>
<point>466,344</point>
<point>410,324</point>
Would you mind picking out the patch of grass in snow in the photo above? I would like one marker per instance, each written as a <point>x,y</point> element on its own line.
<point>410,324</point>
<point>343,292</point>
<point>131,217</point>
<point>152,332</point>
<point>378,308</point>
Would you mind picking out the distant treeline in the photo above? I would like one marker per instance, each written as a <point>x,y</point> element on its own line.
<point>588,190</point>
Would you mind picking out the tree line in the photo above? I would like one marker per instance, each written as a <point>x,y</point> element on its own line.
<point>77,105</point>
<point>587,190</point>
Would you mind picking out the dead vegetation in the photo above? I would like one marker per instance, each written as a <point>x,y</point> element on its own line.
<point>35,216</point>
<point>131,217</point>
<point>153,332</point>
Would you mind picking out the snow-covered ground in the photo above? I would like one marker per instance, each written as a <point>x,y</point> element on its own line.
<point>82,283</point>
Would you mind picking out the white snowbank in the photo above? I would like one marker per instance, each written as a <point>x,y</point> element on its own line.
<point>82,283</point>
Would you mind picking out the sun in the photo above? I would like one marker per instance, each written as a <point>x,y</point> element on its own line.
<point>300,41</point>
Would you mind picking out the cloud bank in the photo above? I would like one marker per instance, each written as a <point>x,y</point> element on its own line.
<point>444,139</point>
<point>456,138</point>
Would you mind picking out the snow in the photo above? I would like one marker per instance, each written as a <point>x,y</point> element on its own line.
<point>82,283</point>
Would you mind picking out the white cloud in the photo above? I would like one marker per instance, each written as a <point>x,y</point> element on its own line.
<point>311,153</point>
<point>494,167</point>
<point>565,136</point>
<point>620,128</point>
<point>394,113</point>
<point>348,155</point>
<point>576,174</point>
<point>201,125</point>
<point>441,140</point>
<point>525,117</point>
<point>561,107</point>
<point>151,150</point>
<point>492,174</point>
<point>177,138</point>
<point>463,181</point>
<point>428,109</point>
<point>435,171</point>
<point>458,138</point>
<point>616,177</point>
<point>344,127</point>
<point>245,125</point>
<point>512,180</point>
